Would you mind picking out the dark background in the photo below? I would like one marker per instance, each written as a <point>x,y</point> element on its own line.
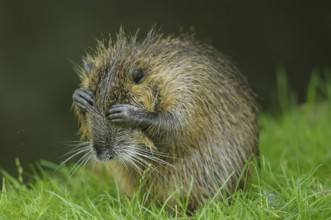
<point>40,41</point>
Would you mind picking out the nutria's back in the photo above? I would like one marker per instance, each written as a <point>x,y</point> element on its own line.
<point>171,104</point>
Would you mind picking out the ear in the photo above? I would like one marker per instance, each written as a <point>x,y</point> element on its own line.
<point>89,67</point>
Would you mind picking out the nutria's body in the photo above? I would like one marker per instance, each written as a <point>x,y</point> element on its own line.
<point>174,105</point>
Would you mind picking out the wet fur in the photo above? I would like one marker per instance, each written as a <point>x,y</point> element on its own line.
<point>207,125</point>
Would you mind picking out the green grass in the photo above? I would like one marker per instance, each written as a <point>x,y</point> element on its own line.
<point>294,181</point>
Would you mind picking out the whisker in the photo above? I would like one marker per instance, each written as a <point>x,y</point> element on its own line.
<point>122,161</point>
<point>80,162</point>
<point>134,165</point>
<point>151,155</point>
<point>139,159</point>
<point>80,148</point>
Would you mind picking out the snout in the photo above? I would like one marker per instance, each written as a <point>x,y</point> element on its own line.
<point>103,153</point>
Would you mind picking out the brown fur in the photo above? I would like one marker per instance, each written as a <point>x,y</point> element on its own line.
<point>214,130</point>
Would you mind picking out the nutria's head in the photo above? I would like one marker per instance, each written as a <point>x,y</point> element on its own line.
<point>120,73</point>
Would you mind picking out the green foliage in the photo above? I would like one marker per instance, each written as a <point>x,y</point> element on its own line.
<point>285,97</point>
<point>293,182</point>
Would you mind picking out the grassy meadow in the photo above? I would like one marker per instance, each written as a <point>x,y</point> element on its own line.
<point>293,182</point>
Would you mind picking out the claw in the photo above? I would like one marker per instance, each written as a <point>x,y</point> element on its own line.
<point>83,98</point>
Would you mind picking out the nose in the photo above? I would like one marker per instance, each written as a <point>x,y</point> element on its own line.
<point>102,153</point>
<point>99,149</point>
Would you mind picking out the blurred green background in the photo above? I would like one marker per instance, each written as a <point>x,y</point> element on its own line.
<point>40,41</point>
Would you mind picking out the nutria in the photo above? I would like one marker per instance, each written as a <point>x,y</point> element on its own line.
<point>171,105</point>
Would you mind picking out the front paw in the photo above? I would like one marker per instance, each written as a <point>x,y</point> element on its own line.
<point>124,115</point>
<point>83,99</point>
